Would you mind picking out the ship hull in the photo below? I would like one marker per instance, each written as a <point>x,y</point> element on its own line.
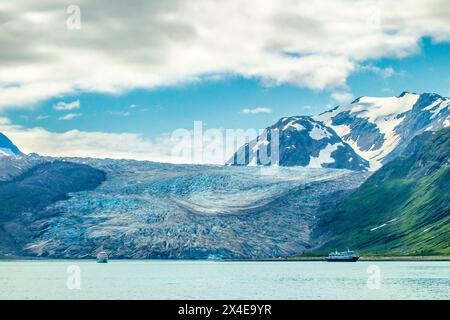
<point>352,259</point>
<point>102,260</point>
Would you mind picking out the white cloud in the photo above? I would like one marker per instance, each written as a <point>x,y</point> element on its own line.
<point>41,117</point>
<point>342,97</point>
<point>67,105</point>
<point>256,110</point>
<point>70,116</point>
<point>4,121</point>
<point>383,72</point>
<point>387,72</point>
<point>312,44</point>
<point>180,146</point>
<point>76,143</point>
<point>119,113</point>
<point>25,94</point>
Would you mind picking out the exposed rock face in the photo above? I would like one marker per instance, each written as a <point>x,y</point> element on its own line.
<point>366,133</point>
<point>302,141</point>
<point>25,198</point>
<point>14,166</point>
<point>430,113</point>
<point>379,129</point>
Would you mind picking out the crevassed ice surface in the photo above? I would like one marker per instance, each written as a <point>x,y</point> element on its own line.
<point>151,210</point>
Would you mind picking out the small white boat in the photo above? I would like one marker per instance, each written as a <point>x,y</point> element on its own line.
<point>102,257</point>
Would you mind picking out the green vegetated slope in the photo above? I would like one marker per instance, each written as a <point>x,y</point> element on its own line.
<point>403,208</point>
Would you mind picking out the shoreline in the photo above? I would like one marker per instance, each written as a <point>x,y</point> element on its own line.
<point>379,258</point>
<point>289,259</point>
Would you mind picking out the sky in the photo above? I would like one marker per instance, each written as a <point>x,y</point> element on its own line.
<point>111,79</point>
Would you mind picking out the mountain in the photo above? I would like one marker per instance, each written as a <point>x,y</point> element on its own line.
<point>378,129</point>
<point>366,133</point>
<point>7,148</point>
<point>304,142</point>
<point>72,207</point>
<point>25,198</point>
<point>402,208</point>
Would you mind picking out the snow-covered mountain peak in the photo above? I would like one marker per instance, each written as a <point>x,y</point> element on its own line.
<point>304,142</point>
<point>374,108</point>
<point>376,126</point>
<point>374,129</point>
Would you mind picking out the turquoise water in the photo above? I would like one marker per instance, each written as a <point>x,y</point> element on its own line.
<point>223,280</point>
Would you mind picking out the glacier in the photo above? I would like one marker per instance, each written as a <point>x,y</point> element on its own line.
<point>154,210</point>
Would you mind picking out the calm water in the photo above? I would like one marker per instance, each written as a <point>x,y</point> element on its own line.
<point>222,280</point>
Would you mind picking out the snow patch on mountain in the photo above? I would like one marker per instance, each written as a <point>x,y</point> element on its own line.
<point>320,132</point>
<point>447,122</point>
<point>294,125</point>
<point>376,127</point>
<point>6,152</point>
<point>302,142</point>
<point>324,156</point>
